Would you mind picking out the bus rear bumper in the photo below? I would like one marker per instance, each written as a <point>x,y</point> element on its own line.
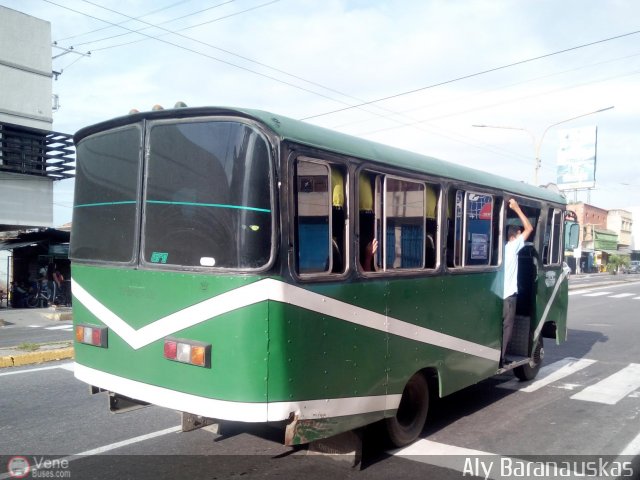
<point>251,412</point>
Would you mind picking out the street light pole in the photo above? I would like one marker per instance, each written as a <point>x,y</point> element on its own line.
<point>538,144</point>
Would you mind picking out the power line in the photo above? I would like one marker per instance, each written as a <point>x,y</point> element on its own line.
<point>349,106</point>
<point>163,23</point>
<point>182,47</point>
<point>216,58</point>
<point>141,16</point>
<point>307,81</point>
<point>175,32</point>
<point>484,91</point>
<point>483,72</point>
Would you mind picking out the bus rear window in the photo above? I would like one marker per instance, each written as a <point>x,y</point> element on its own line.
<point>106,192</point>
<point>208,196</point>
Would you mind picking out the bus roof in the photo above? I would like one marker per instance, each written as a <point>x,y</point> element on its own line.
<point>322,138</point>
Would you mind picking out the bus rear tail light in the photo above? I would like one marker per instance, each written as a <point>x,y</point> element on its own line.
<point>188,351</point>
<point>92,335</point>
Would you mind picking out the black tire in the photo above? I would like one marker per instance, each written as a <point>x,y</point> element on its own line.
<point>530,370</point>
<point>411,416</point>
<point>32,301</point>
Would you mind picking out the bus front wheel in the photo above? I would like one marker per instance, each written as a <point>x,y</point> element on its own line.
<point>530,370</point>
<point>411,416</point>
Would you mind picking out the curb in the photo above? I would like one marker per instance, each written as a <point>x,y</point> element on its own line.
<point>36,357</point>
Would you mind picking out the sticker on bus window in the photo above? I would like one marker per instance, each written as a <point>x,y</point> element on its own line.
<point>159,257</point>
<point>207,261</point>
<point>479,246</point>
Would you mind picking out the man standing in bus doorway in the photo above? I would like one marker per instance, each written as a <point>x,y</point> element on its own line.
<point>516,237</point>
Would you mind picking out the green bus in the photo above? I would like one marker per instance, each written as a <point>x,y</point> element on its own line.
<point>237,265</point>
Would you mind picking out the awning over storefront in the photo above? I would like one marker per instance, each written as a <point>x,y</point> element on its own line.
<point>50,236</point>
<point>605,240</point>
<point>11,244</point>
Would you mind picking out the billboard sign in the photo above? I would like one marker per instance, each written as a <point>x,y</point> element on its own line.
<point>577,158</point>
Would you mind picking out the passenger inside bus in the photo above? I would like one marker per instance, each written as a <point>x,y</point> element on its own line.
<point>431,227</point>
<point>368,242</point>
<point>338,218</point>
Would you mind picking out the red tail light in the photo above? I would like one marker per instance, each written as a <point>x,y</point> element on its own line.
<point>92,335</point>
<point>188,351</point>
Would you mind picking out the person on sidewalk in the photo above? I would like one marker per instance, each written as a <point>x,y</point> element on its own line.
<point>517,235</point>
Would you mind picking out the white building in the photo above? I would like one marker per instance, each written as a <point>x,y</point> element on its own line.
<point>32,157</point>
<point>621,222</point>
<point>635,229</point>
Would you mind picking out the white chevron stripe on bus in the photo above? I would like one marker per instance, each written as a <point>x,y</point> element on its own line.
<point>270,289</point>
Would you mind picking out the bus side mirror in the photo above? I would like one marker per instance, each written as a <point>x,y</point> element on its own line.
<point>573,236</point>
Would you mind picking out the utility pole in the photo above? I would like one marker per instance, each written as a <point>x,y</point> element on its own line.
<point>538,144</point>
<point>65,51</point>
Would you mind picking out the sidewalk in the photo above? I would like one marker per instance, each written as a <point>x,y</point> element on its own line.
<point>35,353</point>
<point>607,279</point>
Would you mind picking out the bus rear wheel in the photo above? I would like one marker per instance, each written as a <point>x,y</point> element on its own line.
<point>411,416</point>
<point>530,370</point>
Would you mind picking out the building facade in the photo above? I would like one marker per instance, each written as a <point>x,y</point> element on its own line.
<point>621,222</point>
<point>597,242</point>
<point>32,156</point>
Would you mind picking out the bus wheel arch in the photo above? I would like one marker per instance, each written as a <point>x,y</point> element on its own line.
<point>410,418</point>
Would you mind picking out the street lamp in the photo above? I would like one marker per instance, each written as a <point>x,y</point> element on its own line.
<point>538,144</point>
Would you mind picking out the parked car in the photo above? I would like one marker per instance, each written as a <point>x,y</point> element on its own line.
<point>634,267</point>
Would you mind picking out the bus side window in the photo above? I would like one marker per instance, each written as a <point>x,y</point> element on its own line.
<point>404,211</point>
<point>497,234</point>
<point>471,234</point>
<point>455,210</point>
<point>339,232</point>
<point>313,217</point>
<point>366,220</point>
<point>551,250</point>
<point>431,227</point>
<point>401,216</point>
<point>321,217</point>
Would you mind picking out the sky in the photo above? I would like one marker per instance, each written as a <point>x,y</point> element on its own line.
<point>415,74</point>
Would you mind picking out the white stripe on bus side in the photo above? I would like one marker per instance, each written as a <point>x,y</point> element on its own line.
<point>270,289</point>
<point>239,411</point>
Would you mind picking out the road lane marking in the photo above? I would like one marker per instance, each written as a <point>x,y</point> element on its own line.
<point>64,366</point>
<point>60,327</point>
<point>443,455</point>
<point>636,298</point>
<point>467,461</point>
<point>549,374</point>
<point>622,295</point>
<point>613,388</point>
<point>596,294</point>
<point>112,446</point>
<point>633,449</point>
<point>124,443</point>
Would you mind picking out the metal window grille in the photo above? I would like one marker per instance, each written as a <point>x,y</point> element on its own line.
<point>36,152</point>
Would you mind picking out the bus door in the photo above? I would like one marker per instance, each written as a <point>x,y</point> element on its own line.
<point>552,291</point>
<point>528,271</point>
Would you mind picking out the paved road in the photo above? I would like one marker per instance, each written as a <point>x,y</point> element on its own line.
<point>585,403</point>
<point>33,325</point>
